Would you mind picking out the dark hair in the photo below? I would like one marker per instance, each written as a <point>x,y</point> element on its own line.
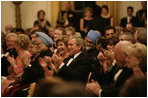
<point>19,30</point>
<point>64,39</point>
<point>112,40</point>
<point>105,6</point>
<point>110,28</point>
<point>40,12</point>
<point>130,7</point>
<point>102,41</point>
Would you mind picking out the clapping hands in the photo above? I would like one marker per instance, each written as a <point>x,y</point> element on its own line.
<point>57,60</point>
<point>11,60</point>
<point>93,87</point>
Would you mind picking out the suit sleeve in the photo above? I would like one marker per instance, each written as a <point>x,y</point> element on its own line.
<point>80,72</point>
<point>32,74</point>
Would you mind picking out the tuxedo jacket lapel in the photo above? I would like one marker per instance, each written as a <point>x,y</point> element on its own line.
<point>75,60</point>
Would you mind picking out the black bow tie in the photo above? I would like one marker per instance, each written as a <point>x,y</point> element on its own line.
<point>71,56</point>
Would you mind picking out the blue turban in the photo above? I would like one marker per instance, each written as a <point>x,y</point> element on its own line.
<point>44,38</point>
<point>92,35</point>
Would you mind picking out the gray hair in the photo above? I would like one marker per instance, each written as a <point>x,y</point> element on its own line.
<point>79,41</point>
<point>72,30</point>
<point>62,29</point>
<point>10,34</point>
<point>128,36</point>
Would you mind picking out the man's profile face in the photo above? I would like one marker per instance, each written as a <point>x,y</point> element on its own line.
<point>89,44</point>
<point>73,48</point>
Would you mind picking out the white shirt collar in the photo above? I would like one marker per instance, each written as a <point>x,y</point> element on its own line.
<point>76,55</point>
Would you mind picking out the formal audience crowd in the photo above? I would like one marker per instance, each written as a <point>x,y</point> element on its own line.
<point>85,57</point>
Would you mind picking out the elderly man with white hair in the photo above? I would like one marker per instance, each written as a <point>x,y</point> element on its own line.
<point>116,77</point>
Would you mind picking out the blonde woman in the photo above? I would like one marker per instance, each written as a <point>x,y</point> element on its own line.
<point>21,45</point>
<point>137,58</point>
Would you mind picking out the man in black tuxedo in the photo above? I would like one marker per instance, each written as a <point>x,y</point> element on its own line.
<point>76,67</point>
<point>114,79</point>
<point>130,19</point>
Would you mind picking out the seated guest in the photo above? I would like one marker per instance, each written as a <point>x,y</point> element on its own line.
<point>111,42</point>
<point>90,40</point>
<point>126,36</point>
<point>109,31</point>
<point>62,46</point>
<point>70,31</point>
<point>32,35</point>
<point>130,19</point>
<point>141,36</point>
<point>134,87</point>
<point>62,52</point>
<point>76,66</point>
<point>84,22</point>
<point>137,57</point>
<point>56,35</point>
<point>96,73</point>
<point>42,22</point>
<point>32,71</point>
<point>91,51</point>
<point>21,45</point>
<point>16,68</point>
<point>9,49</point>
<point>116,77</point>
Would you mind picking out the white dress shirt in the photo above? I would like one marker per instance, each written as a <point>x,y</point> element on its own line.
<point>70,60</point>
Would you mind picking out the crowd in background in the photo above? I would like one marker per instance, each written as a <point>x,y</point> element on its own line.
<point>79,57</point>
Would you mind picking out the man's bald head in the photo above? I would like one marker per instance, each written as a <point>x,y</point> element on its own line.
<point>119,54</point>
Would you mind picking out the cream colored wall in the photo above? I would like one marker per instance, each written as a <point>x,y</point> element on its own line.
<point>7,14</point>
<point>29,11</point>
<point>122,7</point>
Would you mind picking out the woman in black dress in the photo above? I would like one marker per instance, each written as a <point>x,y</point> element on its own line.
<point>42,23</point>
<point>84,22</point>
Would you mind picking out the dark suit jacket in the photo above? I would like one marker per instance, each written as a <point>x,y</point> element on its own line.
<point>5,63</point>
<point>35,72</point>
<point>111,87</point>
<point>124,21</point>
<point>77,70</point>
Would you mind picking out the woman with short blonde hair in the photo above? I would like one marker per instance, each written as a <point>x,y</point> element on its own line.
<point>136,56</point>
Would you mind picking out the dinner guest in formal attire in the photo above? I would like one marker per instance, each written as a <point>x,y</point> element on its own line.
<point>130,19</point>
